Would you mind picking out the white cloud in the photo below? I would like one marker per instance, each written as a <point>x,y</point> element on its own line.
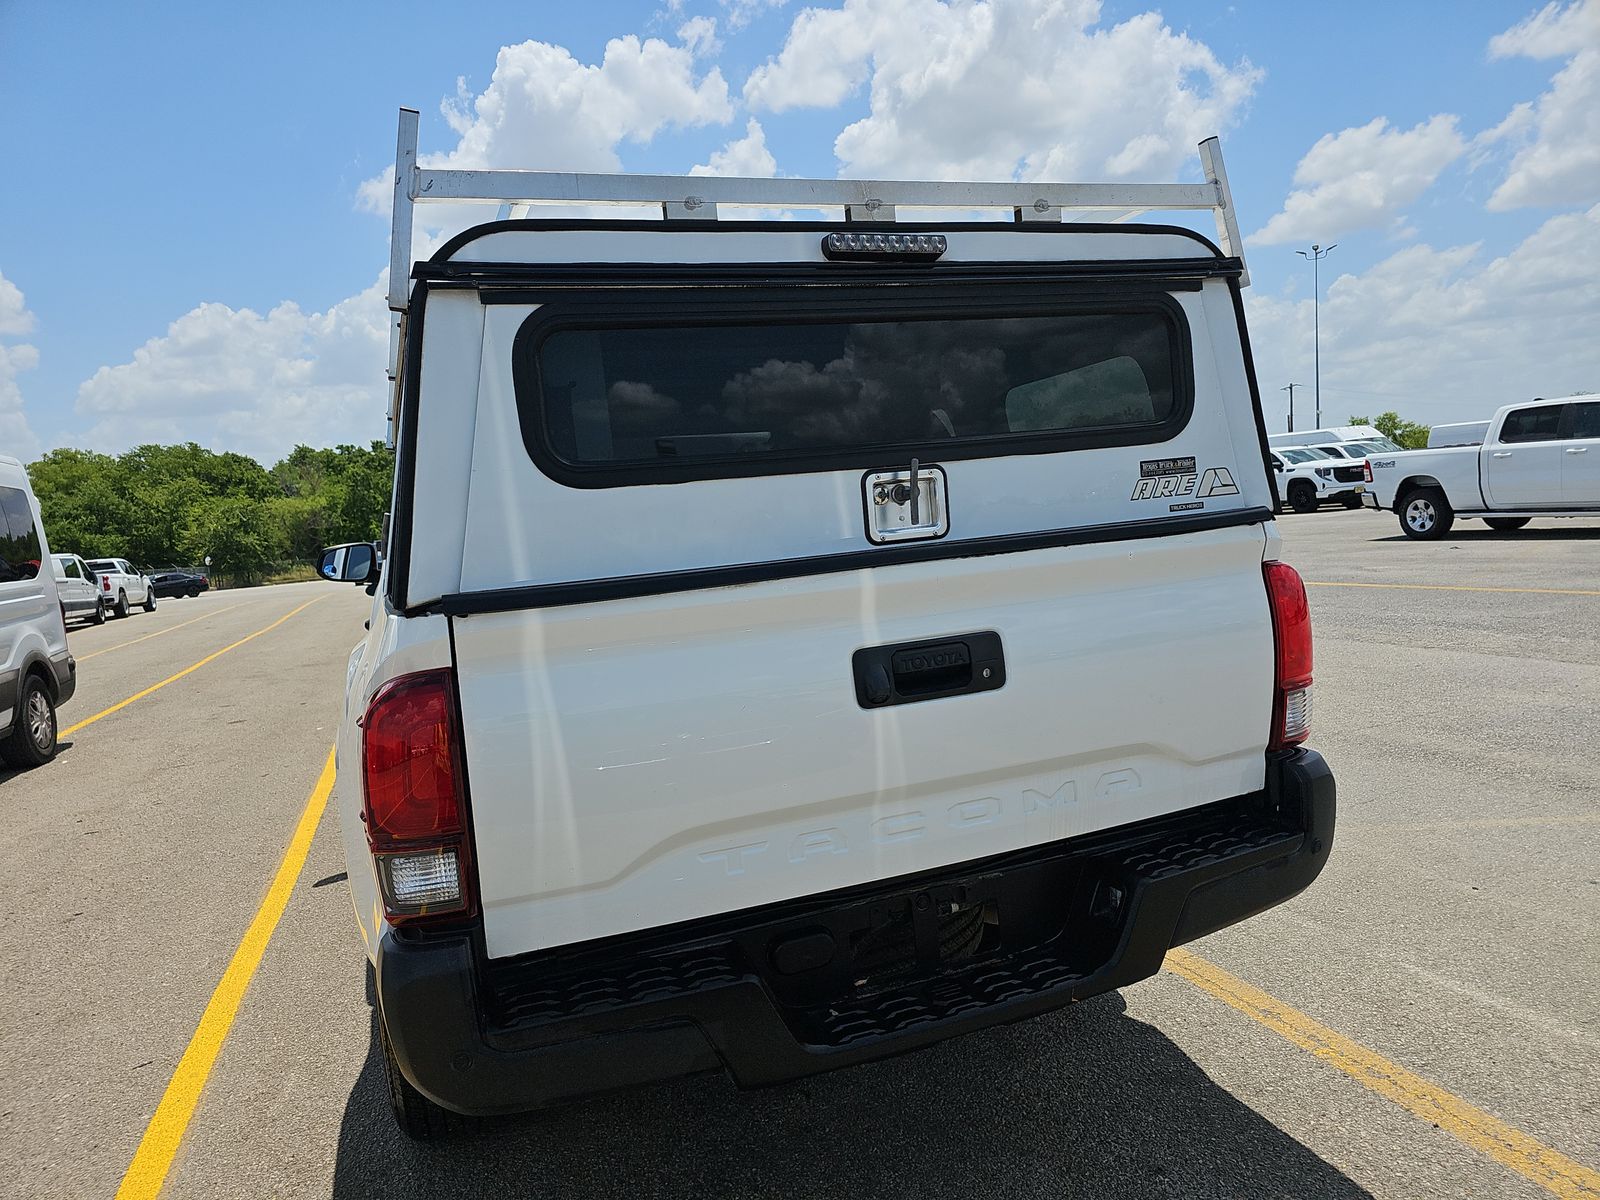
<point>742,12</point>
<point>1441,335</point>
<point>543,109</point>
<point>15,319</point>
<point>1027,89</point>
<point>699,36</point>
<point>747,156</point>
<point>1361,178</point>
<point>1556,159</point>
<point>16,436</point>
<point>235,379</point>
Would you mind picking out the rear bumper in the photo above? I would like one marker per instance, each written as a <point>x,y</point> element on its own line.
<point>1369,500</point>
<point>746,993</point>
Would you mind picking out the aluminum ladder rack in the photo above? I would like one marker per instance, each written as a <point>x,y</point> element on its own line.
<point>708,197</point>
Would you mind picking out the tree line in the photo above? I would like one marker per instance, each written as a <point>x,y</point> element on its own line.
<point>162,506</point>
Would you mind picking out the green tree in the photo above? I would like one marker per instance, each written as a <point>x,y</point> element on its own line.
<point>1408,435</point>
<point>239,534</point>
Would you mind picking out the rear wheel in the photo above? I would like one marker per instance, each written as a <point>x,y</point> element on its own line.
<point>1506,523</point>
<point>98,617</point>
<point>150,599</point>
<point>1302,497</point>
<point>1425,514</point>
<point>191,593</point>
<point>120,608</point>
<point>32,740</point>
<point>418,1117</point>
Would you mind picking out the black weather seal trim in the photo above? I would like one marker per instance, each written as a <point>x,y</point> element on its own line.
<point>1255,392</point>
<point>405,479</point>
<point>628,587</point>
<point>499,282</point>
<point>615,308</point>
<point>569,225</point>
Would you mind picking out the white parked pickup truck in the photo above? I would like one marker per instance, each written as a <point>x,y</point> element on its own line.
<point>1540,459</point>
<point>803,641</point>
<point>123,585</point>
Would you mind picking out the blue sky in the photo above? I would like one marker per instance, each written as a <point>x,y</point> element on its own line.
<point>200,165</point>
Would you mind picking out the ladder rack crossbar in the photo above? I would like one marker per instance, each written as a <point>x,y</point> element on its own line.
<point>706,196</point>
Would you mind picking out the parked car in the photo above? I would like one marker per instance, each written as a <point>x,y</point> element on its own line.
<point>1305,477</point>
<point>1323,437</point>
<point>123,585</point>
<point>1349,476</point>
<point>180,583</point>
<point>1460,433</point>
<point>825,668</point>
<point>78,589</point>
<point>37,671</point>
<point>1540,459</point>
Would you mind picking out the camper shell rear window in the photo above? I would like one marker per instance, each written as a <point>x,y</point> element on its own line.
<point>612,392</point>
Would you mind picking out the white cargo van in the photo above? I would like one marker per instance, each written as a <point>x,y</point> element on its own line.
<point>37,672</point>
<point>802,641</point>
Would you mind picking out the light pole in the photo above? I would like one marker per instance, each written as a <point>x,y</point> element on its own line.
<point>1316,254</point>
<point>1290,387</point>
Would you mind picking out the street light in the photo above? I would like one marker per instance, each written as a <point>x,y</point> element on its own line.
<point>1316,254</point>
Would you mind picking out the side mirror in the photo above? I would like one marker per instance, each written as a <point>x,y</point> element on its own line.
<point>353,562</point>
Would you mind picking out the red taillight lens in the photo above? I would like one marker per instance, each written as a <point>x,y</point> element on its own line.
<point>105,583</point>
<point>1291,629</point>
<point>414,809</point>
<point>1366,470</point>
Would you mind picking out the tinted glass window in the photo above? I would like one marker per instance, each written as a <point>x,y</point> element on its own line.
<point>102,564</point>
<point>67,567</point>
<point>660,395</point>
<point>1532,424</point>
<point>19,539</point>
<point>1585,420</point>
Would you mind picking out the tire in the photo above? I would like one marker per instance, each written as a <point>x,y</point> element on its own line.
<point>150,598</point>
<point>120,608</point>
<point>1506,524</point>
<point>1426,515</point>
<point>419,1118</point>
<point>1302,497</point>
<point>99,617</point>
<point>32,740</point>
<point>191,594</point>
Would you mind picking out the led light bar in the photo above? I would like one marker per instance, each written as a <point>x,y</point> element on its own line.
<point>877,247</point>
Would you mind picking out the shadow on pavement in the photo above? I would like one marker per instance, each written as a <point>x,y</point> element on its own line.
<point>1087,1102</point>
<point>1540,533</point>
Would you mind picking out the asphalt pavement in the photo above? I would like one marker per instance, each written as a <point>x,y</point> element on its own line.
<point>1455,934</point>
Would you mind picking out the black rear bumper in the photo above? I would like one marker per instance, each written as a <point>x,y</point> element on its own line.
<point>769,995</point>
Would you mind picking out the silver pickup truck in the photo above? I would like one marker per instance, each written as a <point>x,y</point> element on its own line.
<point>1540,459</point>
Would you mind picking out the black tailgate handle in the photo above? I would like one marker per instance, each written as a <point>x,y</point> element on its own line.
<point>907,672</point>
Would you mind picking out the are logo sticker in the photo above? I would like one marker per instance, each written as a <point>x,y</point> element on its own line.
<point>1202,485</point>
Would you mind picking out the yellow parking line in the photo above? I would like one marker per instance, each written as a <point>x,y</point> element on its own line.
<point>159,1145</point>
<point>1455,587</point>
<point>135,641</point>
<point>1509,1146</point>
<point>121,704</point>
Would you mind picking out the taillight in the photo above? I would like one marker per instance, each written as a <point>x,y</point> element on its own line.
<point>105,583</point>
<point>1291,631</point>
<point>1366,469</point>
<point>414,803</point>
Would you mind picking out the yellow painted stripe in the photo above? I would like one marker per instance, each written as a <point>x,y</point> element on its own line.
<point>1453,587</point>
<point>189,670</point>
<point>1528,1157</point>
<point>162,1137</point>
<point>135,641</point>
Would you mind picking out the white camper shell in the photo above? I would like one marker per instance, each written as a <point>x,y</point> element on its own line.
<point>799,641</point>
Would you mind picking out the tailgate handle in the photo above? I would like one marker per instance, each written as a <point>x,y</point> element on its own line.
<point>907,672</point>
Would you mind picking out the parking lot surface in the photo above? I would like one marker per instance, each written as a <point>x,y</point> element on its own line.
<point>1424,1021</point>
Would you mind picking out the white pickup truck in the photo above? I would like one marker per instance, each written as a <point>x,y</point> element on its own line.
<point>803,641</point>
<point>123,585</point>
<point>1539,459</point>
